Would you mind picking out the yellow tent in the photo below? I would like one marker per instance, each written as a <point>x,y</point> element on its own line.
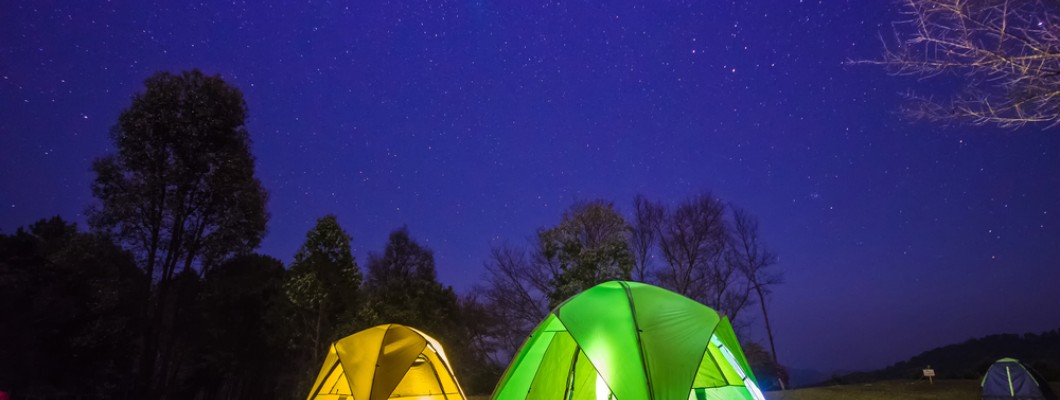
<point>386,362</point>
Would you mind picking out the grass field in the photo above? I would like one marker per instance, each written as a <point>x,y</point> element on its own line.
<point>890,390</point>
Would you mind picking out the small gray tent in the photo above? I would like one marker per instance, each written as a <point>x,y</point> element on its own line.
<point>1008,379</point>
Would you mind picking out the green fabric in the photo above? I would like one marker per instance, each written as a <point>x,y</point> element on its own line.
<point>520,374</point>
<point>608,338</point>
<point>727,336</point>
<point>710,372</point>
<point>729,375</point>
<point>672,336</point>
<point>550,382</point>
<point>724,393</point>
<point>629,341</point>
<point>583,386</point>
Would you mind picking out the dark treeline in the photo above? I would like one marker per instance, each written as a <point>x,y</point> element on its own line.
<point>71,301</point>
<point>163,296</point>
<point>970,359</point>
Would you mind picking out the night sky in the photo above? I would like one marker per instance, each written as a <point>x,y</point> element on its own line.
<point>476,122</point>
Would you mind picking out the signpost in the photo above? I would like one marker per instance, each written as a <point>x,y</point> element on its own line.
<point>930,374</point>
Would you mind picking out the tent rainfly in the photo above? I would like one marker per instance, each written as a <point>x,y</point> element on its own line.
<point>1008,379</point>
<point>386,362</point>
<point>630,341</point>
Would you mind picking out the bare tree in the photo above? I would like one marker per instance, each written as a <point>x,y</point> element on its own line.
<point>726,289</point>
<point>647,218</point>
<point>753,259</point>
<point>692,240</point>
<point>1007,51</point>
<point>516,290</point>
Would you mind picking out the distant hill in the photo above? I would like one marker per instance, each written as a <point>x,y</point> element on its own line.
<point>970,359</point>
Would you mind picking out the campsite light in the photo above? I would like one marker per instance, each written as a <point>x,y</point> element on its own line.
<point>662,348</point>
<point>602,391</point>
<point>386,361</point>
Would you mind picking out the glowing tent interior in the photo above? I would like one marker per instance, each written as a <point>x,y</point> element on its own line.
<point>1009,379</point>
<point>630,341</point>
<point>386,362</point>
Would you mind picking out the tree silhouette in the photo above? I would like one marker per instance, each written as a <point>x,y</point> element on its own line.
<point>323,287</point>
<point>179,192</point>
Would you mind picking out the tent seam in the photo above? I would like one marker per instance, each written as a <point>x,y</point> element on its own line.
<point>338,361</point>
<point>551,342</point>
<point>378,356</point>
<point>640,343</point>
<point>437,378</point>
<point>448,369</point>
<point>692,383</point>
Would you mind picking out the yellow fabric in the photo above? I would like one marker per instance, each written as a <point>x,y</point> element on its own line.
<point>419,380</point>
<point>437,356</point>
<point>399,350</point>
<point>385,362</point>
<point>332,381</point>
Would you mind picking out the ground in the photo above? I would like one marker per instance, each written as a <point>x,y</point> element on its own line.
<point>890,390</point>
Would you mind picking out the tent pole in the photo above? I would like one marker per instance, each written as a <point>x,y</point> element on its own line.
<point>438,378</point>
<point>569,388</point>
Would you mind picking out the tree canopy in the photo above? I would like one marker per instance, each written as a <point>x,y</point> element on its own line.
<point>589,246</point>
<point>181,186</point>
<point>179,192</point>
<point>403,287</point>
<point>67,295</point>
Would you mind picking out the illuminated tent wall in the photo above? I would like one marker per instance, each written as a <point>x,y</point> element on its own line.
<point>386,362</point>
<point>1008,379</point>
<point>630,341</point>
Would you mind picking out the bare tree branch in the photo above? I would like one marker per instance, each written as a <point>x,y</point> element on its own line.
<point>1006,51</point>
<point>647,217</point>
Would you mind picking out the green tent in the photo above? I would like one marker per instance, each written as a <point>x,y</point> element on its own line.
<point>630,341</point>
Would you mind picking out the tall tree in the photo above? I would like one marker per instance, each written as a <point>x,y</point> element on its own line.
<point>753,259</point>
<point>692,240</point>
<point>323,287</point>
<point>403,287</point>
<point>644,235</point>
<point>475,355</point>
<point>1006,53</point>
<point>589,246</point>
<point>180,191</point>
<point>516,292</point>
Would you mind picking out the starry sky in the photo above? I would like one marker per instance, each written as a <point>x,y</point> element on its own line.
<point>476,122</point>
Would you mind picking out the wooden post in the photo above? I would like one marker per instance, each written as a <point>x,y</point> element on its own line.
<point>930,374</point>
